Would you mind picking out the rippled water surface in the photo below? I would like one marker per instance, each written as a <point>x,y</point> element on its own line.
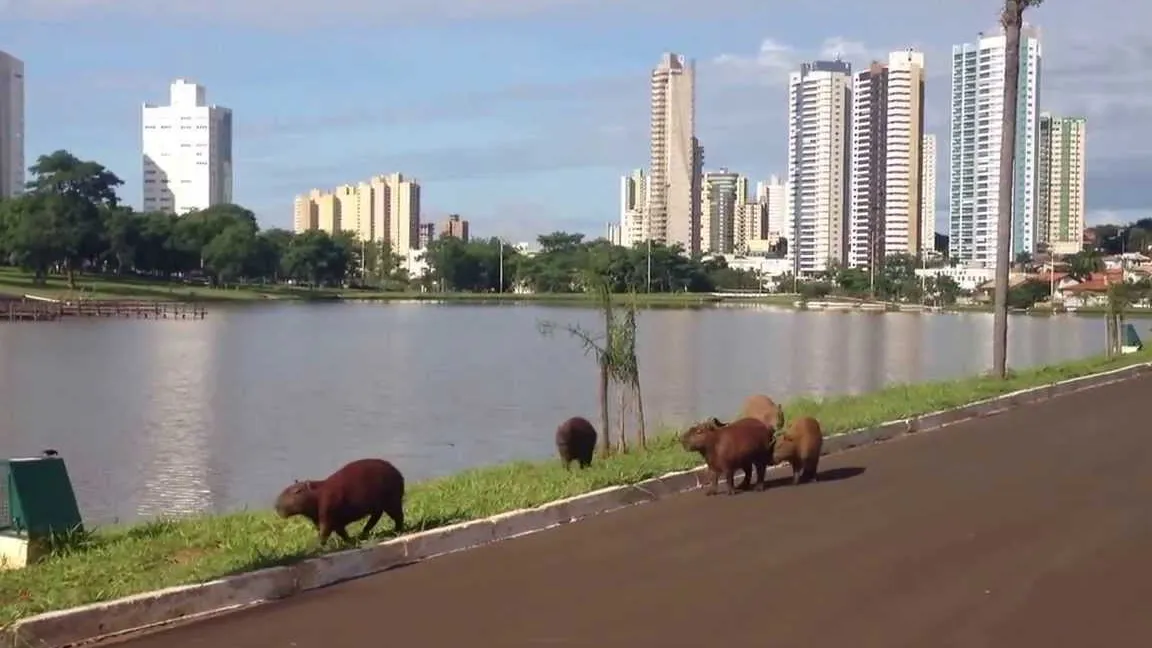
<point>215,415</point>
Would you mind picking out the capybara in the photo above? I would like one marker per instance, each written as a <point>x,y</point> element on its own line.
<point>743,444</point>
<point>800,447</point>
<point>363,487</point>
<point>576,441</point>
<point>761,407</point>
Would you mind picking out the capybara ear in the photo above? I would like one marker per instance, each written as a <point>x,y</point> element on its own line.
<point>716,422</point>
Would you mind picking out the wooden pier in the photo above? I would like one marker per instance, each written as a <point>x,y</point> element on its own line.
<point>40,310</point>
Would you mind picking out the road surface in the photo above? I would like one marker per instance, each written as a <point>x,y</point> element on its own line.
<point>1020,530</point>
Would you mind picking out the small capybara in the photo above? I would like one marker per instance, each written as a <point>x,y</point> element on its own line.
<point>743,444</point>
<point>800,447</point>
<point>761,407</point>
<point>576,441</point>
<point>365,487</point>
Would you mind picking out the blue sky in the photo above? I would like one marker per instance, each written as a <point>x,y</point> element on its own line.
<point>522,114</point>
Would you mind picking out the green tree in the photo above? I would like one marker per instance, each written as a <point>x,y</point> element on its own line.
<point>31,235</point>
<point>232,254</point>
<point>76,193</point>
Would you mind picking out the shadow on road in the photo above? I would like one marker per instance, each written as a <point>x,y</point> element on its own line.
<point>836,474</point>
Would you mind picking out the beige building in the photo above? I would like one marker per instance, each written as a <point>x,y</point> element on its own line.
<point>385,207</point>
<point>1060,183</point>
<point>672,210</point>
<point>928,194</point>
<point>455,227</point>
<point>633,194</point>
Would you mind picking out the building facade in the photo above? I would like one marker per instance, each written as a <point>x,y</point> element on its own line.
<point>869,159</point>
<point>974,160</point>
<point>928,194</point>
<point>187,152</point>
<point>633,200</point>
<point>721,200</point>
<point>11,125</point>
<point>1060,183</point>
<point>672,209</point>
<point>819,118</point>
<point>774,195</point>
<point>385,208</point>
<point>455,227</point>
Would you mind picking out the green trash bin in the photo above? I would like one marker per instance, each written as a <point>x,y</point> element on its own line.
<point>36,498</point>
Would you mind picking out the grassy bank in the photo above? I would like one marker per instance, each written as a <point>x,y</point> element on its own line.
<point>114,562</point>
<point>16,282</point>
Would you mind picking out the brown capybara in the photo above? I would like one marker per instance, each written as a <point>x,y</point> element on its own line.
<point>365,487</point>
<point>800,447</point>
<point>759,406</point>
<point>576,441</point>
<point>743,444</point>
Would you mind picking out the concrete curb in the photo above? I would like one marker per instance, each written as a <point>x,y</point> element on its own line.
<point>153,609</point>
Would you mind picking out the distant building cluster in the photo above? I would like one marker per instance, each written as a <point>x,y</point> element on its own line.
<point>862,179</point>
<point>383,208</point>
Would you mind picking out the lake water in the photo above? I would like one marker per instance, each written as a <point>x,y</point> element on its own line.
<point>216,415</point>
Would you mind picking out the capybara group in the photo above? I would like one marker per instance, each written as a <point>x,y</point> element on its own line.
<point>576,441</point>
<point>759,406</point>
<point>365,487</point>
<point>800,447</point>
<point>743,444</point>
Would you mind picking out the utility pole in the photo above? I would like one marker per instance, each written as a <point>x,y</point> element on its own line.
<point>501,243</point>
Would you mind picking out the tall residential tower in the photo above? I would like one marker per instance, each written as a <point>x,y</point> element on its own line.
<point>974,165</point>
<point>672,210</point>
<point>1060,171</point>
<point>11,125</point>
<point>819,118</point>
<point>187,148</point>
<point>928,195</point>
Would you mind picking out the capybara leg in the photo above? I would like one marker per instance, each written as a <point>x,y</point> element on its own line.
<point>812,472</point>
<point>713,482</point>
<point>586,462</point>
<point>747,482</point>
<point>325,531</point>
<point>370,524</point>
<point>797,472</point>
<point>761,469</point>
<point>730,477</point>
<point>396,512</point>
<point>343,533</point>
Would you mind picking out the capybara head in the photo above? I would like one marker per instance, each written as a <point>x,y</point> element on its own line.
<point>695,438</point>
<point>298,499</point>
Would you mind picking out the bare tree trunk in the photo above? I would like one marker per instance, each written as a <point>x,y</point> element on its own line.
<point>640,430</point>
<point>606,446</point>
<point>622,419</point>
<point>1012,19</point>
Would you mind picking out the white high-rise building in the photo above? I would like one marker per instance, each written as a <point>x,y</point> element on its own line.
<point>928,195</point>
<point>974,165</point>
<point>633,193</point>
<point>774,195</point>
<point>187,148</point>
<point>11,125</point>
<point>887,123</point>
<point>819,118</point>
<point>672,213</point>
<point>903,153</point>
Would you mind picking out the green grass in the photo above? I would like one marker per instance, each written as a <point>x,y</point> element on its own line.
<point>113,562</point>
<point>100,287</point>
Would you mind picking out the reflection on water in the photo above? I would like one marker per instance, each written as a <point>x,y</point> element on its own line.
<point>177,413</point>
<point>218,415</point>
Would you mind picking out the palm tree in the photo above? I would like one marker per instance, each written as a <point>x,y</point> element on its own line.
<point>1012,19</point>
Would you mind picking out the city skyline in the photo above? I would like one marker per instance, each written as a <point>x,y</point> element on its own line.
<point>738,119</point>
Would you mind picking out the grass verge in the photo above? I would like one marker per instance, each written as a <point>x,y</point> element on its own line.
<point>119,561</point>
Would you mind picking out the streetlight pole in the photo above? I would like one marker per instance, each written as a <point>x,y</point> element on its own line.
<point>501,288</point>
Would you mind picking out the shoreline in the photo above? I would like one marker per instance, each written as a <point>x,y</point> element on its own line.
<point>117,561</point>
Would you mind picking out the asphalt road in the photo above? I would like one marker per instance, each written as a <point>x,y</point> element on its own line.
<point>1028,529</point>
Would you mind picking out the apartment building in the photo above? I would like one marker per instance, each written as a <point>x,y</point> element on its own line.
<point>455,227</point>
<point>672,209</point>
<point>928,194</point>
<point>819,119</point>
<point>774,194</point>
<point>974,157</point>
<point>724,194</point>
<point>887,130</point>
<point>187,151</point>
<point>1060,182</point>
<point>384,208</point>
<point>633,201</point>
<point>11,125</point>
